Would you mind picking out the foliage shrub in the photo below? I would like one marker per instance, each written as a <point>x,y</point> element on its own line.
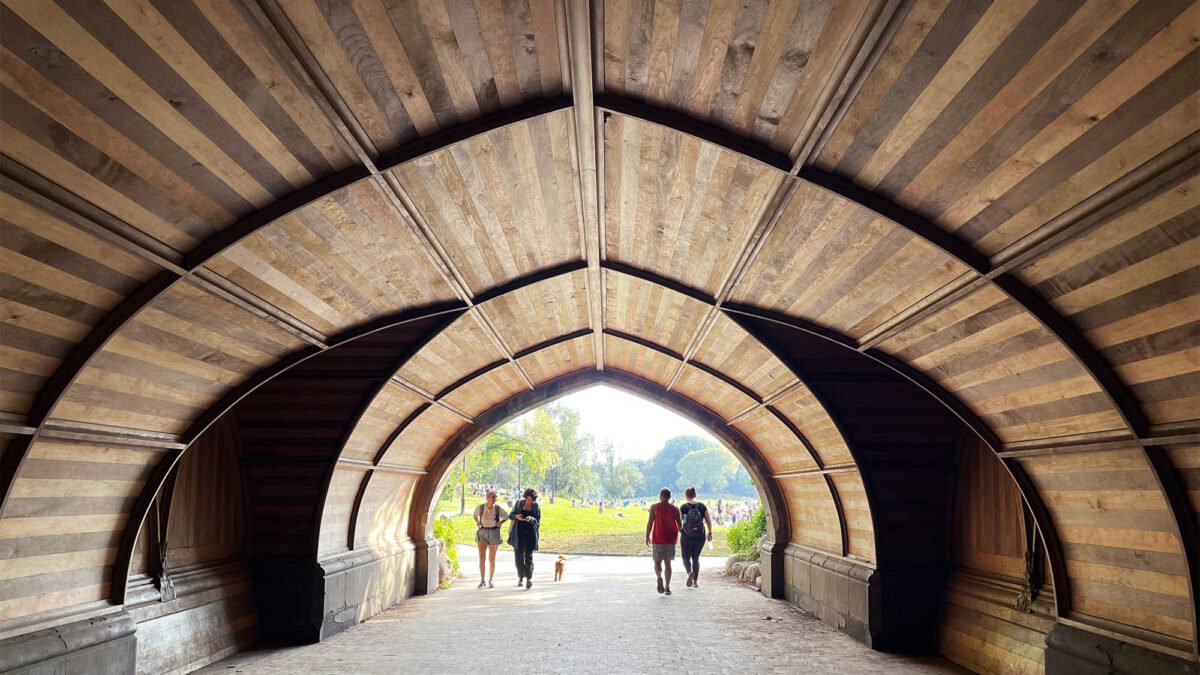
<point>744,536</point>
<point>443,529</point>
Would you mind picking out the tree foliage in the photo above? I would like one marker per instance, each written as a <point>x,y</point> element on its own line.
<point>662,470</point>
<point>709,469</point>
<point>546,449</point>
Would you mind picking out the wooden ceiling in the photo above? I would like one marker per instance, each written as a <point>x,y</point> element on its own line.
<point>996,199</point>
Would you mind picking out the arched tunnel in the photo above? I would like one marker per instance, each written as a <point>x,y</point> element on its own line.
<point>927,267</point>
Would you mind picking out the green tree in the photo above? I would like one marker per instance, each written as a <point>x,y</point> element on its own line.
<point>708,469</point>
<point>661,470</point>
<point>627,481</point>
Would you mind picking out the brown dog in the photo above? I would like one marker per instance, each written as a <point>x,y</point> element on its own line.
<point>560,566</point>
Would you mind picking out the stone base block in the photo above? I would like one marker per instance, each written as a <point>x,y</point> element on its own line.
<point>104,644</point>
<point>839,592</point>
<point>361,585</point>
<point>308,603</point>
<point>1074,651</point>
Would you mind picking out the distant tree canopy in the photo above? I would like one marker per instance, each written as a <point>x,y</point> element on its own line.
<point>685,461</point>
<point>709,470</point>
<point>546,449</point>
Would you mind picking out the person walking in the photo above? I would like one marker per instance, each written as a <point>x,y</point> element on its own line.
<point>523,535</point>
<point>488,517</point>
<point>662,532</point>
<point>692,536</point>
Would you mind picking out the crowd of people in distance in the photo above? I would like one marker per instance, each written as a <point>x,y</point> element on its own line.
<point>688,527</point>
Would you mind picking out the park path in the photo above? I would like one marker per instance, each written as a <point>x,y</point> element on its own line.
<point>605,617</point>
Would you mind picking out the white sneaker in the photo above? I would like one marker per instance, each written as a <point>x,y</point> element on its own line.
<point>482,584</point>
<point>490,585</point>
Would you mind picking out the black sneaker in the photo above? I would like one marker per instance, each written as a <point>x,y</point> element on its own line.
<point>668,591</point>
<point>660,585</point>
<point>528,584</point>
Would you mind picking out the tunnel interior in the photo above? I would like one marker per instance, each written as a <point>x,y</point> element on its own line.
<point>929,269</point>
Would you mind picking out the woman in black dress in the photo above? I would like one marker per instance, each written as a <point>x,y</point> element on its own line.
<point>526,518</point>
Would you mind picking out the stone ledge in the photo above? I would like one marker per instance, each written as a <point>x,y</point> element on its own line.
<point>102,644</point>
<point>1077,651</point>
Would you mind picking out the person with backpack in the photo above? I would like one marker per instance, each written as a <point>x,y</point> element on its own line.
<point>693,536</point>
<point>662,532</point>
<point>488,517</point>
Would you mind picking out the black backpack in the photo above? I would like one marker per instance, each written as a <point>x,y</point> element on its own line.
<point>694,525</point>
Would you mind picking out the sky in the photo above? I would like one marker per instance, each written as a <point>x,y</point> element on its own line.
<point>637,427</point>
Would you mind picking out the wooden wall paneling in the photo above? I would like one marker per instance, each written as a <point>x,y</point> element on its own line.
<point>409,69</point>
<point>197,134</point>
<point>1120,539</point>
<point>839,264</point>
<point>567,357</point>
<point>459,350</point>
<point>804,412</point>
<point>666,186</point>
<point>496,224</point>
<point>756,68</point>
<point>983,632</point>
<point>59,282</point>
<point>1131,287</point>
<point>977,343</point>
<point>482,392</point>
<point>182,352</point>
<point>337,262</point>
<point>639,360</point>
<point>1110,386</point>
<point>421,439</point>
<point>393,402</point>
<point>383,516</point>
<point>712,392</point>
<point>782,446</point>
<point>337,509</point>
<point>815,518</point>
<point>1019,98</point>
<point>64,520</point>
<point>286,487</point>
<point>860,530</point>
<point>207,514</point>
<point>730,350</point>
<point>652,312</point>
<point>219,621</point>
<point>988,531</point>
<point>540,312</point>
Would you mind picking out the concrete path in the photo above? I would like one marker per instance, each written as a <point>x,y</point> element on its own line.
<point>605,617</point>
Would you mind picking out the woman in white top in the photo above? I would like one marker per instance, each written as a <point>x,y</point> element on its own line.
<point>488,517</point>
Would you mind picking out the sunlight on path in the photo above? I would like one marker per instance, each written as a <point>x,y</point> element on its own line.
<point>605,617</point>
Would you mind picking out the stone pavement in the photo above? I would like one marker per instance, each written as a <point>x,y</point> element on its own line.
<point>605,617</point>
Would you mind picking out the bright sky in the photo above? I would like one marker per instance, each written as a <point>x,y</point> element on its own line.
<point>637,427</point>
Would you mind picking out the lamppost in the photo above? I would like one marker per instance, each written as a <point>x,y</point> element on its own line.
<point>553,482</point>
<point>520,466</point>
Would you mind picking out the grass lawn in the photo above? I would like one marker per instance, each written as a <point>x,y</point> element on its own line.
<point>582,530</point>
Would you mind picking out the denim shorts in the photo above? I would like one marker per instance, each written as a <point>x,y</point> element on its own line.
<point>491,535</point>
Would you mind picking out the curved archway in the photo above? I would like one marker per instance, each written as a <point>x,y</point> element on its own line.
<point>426,494</point>
<point>1014,231</point>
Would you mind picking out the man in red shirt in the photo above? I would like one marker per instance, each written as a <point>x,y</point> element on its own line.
<point>665,524</point>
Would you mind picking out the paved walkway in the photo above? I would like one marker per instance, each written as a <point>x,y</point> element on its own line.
<point>605,617</point>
